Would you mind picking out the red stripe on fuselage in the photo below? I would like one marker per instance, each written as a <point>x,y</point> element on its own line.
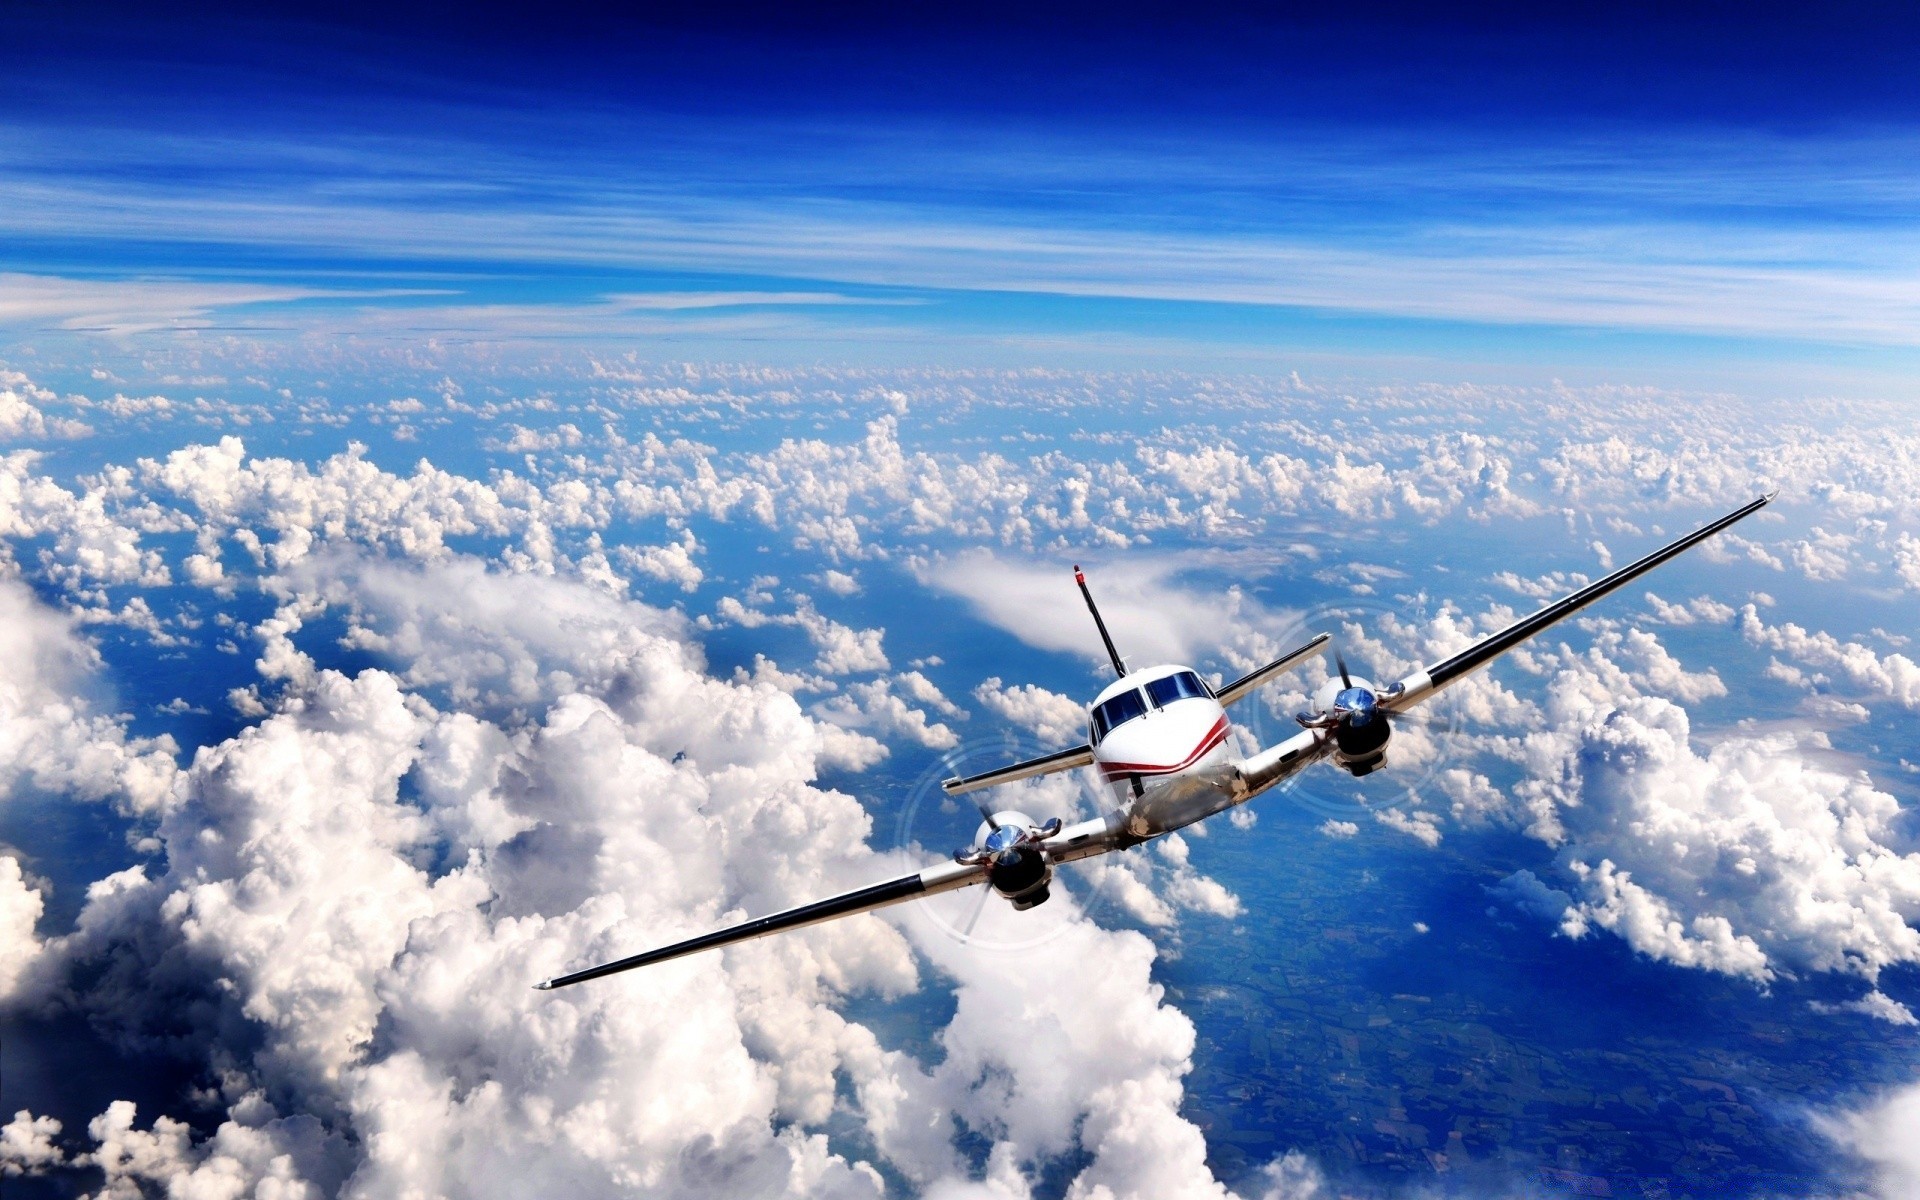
<point>1214,737</point>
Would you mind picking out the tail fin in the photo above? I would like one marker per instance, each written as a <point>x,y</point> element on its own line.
<point>1079,577</point>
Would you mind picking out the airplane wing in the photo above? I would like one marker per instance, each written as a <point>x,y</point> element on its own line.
<point>1422,684</point>
<point>944,877</point>
<point>1046,764</point>
<point>1238,689</point>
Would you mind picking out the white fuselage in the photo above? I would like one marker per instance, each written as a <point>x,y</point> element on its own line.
<point>1160,741</point>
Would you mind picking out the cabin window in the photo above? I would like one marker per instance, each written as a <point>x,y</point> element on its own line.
<point>1117,712</point>
<point>1183,686</point>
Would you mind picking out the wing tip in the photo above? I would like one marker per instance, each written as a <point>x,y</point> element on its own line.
<point>545,985</point>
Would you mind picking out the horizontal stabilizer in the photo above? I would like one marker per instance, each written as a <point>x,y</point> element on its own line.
<point>1046,764</point>
<point>1238,689</point>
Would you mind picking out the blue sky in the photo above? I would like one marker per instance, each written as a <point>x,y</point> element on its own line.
<point>1653,194</point>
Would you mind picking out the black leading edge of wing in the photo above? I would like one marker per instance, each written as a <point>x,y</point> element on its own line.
<point>1477,656</point>
<point>877,896</point>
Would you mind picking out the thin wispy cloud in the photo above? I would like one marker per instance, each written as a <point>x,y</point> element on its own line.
<point>1730,236</point>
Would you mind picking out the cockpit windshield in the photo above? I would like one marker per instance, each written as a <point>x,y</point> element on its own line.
<point>1182,686</point>
<point>1117,712</point>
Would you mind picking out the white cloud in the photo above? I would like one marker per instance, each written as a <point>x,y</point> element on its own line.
<point>1419,824</point>
<point>672,562</point>
<point>298,877</point>
<point>1049,716</point>
<point>1749,859</point>
<point>20,907</point>
<point>27,1146</point>
<point>1895,675</point>
<point>873,705</point>
<point>54,733</point>
<point>1152,619</point>
<point>1885,1134</point>
<point>125,306</point>
<point>21,418</point>
<point>1700,608</point>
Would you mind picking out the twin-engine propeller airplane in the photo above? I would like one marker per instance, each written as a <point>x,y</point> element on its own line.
<point>1159,738</point>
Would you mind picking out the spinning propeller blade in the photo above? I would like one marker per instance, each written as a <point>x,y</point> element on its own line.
<point>978,908</point>
<point>1340,660</point>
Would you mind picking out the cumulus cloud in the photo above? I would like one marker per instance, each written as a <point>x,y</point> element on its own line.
<point>1748,859</point>
<point>1151,617</point>
<point>21,418</point>
<point>366,882</point>
<point>672,562</point>
<point>20,907</point>
<point>1895,675</point>
<point>875,705</point>
<point>1885,1135</point>
<point>1049,716</point>
<point>57,733</point>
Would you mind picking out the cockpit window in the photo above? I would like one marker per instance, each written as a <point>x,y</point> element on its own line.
<point>1117,712</point>
<point>1183,686</point>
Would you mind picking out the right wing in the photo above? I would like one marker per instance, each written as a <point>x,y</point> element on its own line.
<point>944,877</point>
<point>1246,683</point>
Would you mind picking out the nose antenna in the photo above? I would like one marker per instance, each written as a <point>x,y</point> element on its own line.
<point>1080,578</point>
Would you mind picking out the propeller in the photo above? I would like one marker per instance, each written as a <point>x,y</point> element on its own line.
<point>1356,721</point>
<point>1015,857</point>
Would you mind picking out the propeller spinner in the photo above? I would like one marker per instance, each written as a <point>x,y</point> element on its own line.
<point>1010,846</point>
<point>1353,717</point>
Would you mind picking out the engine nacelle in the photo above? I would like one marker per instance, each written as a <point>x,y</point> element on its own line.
<point>1017,868</point>
<point>1021,874</point>
<point>1361,749</point>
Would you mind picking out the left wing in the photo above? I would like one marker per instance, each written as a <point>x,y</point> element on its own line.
<point>1422,684</point>
<point>945,877</point>
<point>1261,771</point>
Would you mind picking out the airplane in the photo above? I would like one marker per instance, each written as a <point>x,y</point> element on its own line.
<point>1160,738</point>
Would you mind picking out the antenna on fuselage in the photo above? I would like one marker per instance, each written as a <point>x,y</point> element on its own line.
<point>1079,577</point>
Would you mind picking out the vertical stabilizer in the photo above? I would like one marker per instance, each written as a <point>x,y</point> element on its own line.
<point>1079,577</point>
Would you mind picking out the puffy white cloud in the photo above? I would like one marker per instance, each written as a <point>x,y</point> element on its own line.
<point>1749,859</point>
<point>672,562</point>
<point>1419,824</point>
<point>1822,557</point>
<point>874,705</point>
<point>366,884</point>
<point>1338,829</point>
<point>21,418</point>
<point>54,733</point>
<point>1906,560</point>
<point>1885,1135</point>
<point>27,1146</point>
<point>1895,675</point>
<point>20,907</point>
<point>842,650</point>
<point>1049,716</point>
<point>1700,608</point>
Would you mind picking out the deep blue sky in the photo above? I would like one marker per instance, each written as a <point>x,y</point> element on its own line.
<point>1717,193</point>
